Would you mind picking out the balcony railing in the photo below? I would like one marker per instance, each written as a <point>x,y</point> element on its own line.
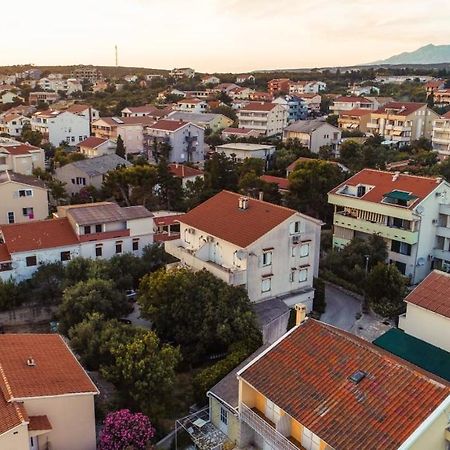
<point>265,429</point>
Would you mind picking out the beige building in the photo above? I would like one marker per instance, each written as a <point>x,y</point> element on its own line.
<point>47,399</point>
<point>20,158</point>
<point>23,198</point>
<point>402,122</point>
<point>355,119</point>
<point>239,151</point>
<point>427,314</point>
<point>94,146</point>
<point>215,122</point>
<point>313,134</point>
<point>269,250</point>
<point>348,103</point>
<point>267,118</point>
<point>441,136</point>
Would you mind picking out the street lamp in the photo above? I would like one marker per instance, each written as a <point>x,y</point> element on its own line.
<point>367,263</point>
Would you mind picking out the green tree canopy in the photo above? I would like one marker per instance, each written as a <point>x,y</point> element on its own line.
<point>120,147</point>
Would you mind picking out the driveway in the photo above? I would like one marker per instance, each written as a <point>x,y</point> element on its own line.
<point>344,311</point>
<point>136,319</point>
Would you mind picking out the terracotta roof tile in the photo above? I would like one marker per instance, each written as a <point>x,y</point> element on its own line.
<point>282,183</point>
<point>56,370</point>
<point>384,182</point>
<point>399,108</point>
<point>78,108</point>
<point>39,234</point>
<point>433,293</point>
<point>22,149</point>
<point>11,414</point>
<point>168,125</point>
<point>4,254</point>
<point>352,99</point>
<point>307,375</point>
<point>259,106</point>
<point>39,423</point>
<point>183,171</point>
<point>446,115</point>
<point>216,214</point>
<point>92,142</point>
<point>355,112</point>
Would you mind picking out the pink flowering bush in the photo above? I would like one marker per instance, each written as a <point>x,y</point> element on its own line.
<point>125,430</point>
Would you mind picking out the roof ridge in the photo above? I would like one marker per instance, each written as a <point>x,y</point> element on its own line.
<point>7,385</point>
<point>403,174</point>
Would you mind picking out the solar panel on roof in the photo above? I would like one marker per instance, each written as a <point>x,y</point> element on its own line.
<point>357,376</point>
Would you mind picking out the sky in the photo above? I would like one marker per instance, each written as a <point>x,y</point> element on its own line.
<point>219,35</point>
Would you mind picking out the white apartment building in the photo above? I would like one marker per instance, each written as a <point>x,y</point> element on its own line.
<point>241,151</point>
<point>12,124</point>
<point>427,314</point>
<point>186,140</point>
<point>193,105</point>
<point>184,72</point>
<point>441,136</point>
<point>268,118</point>
<point>68,86</point>
<point>411,213</point>
<point>307,87</point>
<point>402,122</point>
<point>210,79</point>
<point>21,158</point>
<point>94,146</point>
<point>347,103</point>
<point>92,230</point>
<point>86,111</point>
<point>271,251</point>
<point>61,126</point>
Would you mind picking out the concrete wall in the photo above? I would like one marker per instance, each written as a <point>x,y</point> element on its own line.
<point>232,428</point>
<point>133,137</point>
<point>68,127</point>
<point>434,436</point>
<point>70,172</point>
<point>15,439</point>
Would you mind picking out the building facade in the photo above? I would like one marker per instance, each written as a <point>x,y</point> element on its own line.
<point>20,158</point>
<point>268,118</point>
<point>441,136</point>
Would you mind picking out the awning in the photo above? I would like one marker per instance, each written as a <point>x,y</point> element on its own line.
<point>39,423</point>
<point>400,195</point>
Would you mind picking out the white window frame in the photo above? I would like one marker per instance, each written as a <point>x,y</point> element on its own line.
<point>304,253</point>
<point>266,259</point>
<point>266,284</point>
<point>302,279</point>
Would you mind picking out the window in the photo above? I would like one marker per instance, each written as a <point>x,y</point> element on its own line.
<point>309,440</point>
<point>303,275</point>
<point>293,251</point>
<point>65,256</point>
<point>135,244</point>
<point>98,251</point>
<point>292,276</point>
<point>118,246</point>
<point>224,416</point>
<point>11,218</point>
<point>267,258</point>
<point>401,247</point>
<point>31,261</point>
<point>25,193</point>
<point>266,285</point>
<point>27,212</point>
<point>295,227</point>
<point>304,250</point>
<point>98,228</point>
<point>87,229</point>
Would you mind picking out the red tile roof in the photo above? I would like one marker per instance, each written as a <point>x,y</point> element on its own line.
<point>170,219</point>
<point>39,234</point>
<point>21,149</point>
<point>216,214</point>
<point>4,254</point>
<point>168,125</point>
<point>446,115</point>
<point>433,293</point>
<point>39,423</point>
<point>399,108</point>
<point>355,112</point>
<point>384,182</point>
<point>92,142</point>
<point>352,99</point>
<point>78,108</point>
<point>282,183</point>
<point>182,171</point>
<point>307,375</point>
<point>259,106</point>
<point>56,370</point>
<point>11,415</point>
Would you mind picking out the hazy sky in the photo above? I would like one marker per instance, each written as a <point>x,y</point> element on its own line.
<point>219,35</point>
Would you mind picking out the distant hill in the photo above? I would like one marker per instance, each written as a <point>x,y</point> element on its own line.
<point>429,54</point>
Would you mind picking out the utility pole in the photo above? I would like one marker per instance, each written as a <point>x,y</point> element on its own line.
<point>117,56</point>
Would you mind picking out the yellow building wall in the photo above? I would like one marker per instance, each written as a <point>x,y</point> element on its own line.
<point>15,439</point>
<point>434,436</point>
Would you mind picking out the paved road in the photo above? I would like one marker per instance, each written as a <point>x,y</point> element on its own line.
<point>341,309</point>
<point>136,319</point>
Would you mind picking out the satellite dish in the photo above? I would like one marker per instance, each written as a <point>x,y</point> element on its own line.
<point>421,262</point>
<point>420,209</point>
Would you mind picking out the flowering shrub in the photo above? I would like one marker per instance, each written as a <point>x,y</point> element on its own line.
<point>125,430</point>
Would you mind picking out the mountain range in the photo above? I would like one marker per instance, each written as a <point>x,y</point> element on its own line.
<point>429,54</point>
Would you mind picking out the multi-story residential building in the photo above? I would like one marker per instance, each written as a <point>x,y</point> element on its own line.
<point>320,388</point>
<point>210,79</point>
<point>441,136</point>
<point>186,173</point>
<point>434,85</point>
<point>10,97</point>
<point>313,134</point>
<point>427,314</point>
<point>94,146</point>
<point>402,122</point>
<point>278,85</point>
<point>69,86</point>
<point>240,93</point>
<point>23,198</point>
<point>260,96</point>
<point>348,103</point>
<point>138,111</point>
<point>192,104</point>
<point>184,72</point>
<point>245,78</point>
<point>296,107</point>
<point>87,73</point>
<point>268,118</point>
<point>240,151</point>
<point>307,87</point>
<point>313,102</point>
<point>231,132</point>
<point>88,172</point>
<point>47,399</point>
<point>61,126</point>
<point>106,127</point>
<point>358,90</point>
<point>84,110</point>
<point>186,140</point>
<point>20,158</point>
<point>12,124</point>
<point>91,230</point>
<point>442,97</point>
<point>271,251</point>
<point>410,213</point>
<point>355,119</point>
<point>214,122</point>
<point>42,97</point>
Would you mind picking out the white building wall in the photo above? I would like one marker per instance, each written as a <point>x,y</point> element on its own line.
<point>132,136</point>
<point>69,128</point>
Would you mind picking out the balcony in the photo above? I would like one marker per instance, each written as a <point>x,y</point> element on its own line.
<point>441,254</point>
<point>231,276</point>
<point>443,231</point>
<point>363,226</point>
<point>444,209</point>
<point>257,421</point>
<point>373,125</point>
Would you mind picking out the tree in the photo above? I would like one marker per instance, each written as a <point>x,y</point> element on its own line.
<point>11,295</point>
<point>221,173</point>
<point>309,185</point>
<point>385,290</point>
<point>351,155</point>
<point>332,119</point>
<point>30,136</point>
<point>120,147</point>
<point>144,369</point>
<point>170,190</point>
<point>197,311</point>
<point>47,283</point>
<point>93,295</point>
<point>125,430</point>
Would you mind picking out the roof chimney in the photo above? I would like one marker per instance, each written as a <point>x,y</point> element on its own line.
<point>243,203</point>
<point>31,362</point>
<point>396,175</point>
<point>300,315</point>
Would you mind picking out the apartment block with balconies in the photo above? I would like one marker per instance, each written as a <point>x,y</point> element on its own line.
<point>407,211</point>
<point>269,250</point>
<point>441,136</point>
<point>267,118</point>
